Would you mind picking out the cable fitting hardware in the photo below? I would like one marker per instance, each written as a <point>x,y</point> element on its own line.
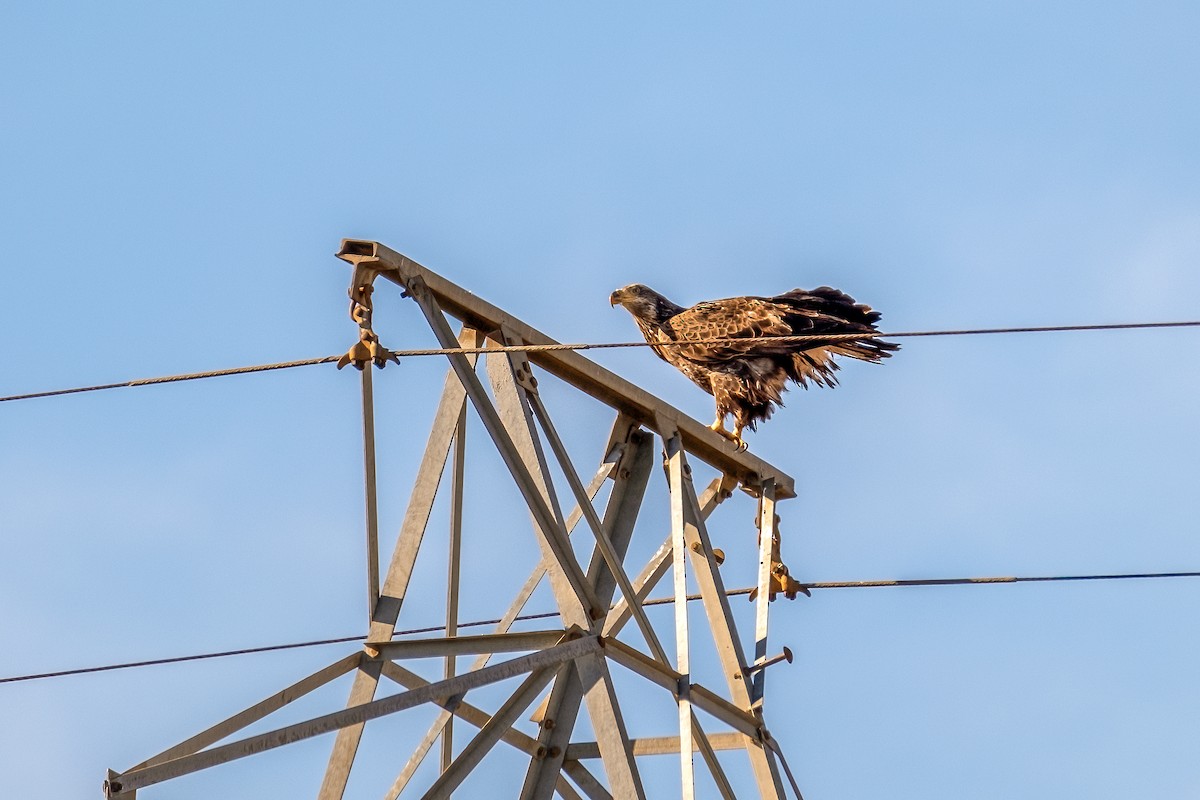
<point>368,349</point>
<point>779,579</point>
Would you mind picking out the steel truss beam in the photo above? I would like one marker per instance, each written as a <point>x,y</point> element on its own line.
<point>571,658</point>
<point>570,366</point>
<point>354,715</point>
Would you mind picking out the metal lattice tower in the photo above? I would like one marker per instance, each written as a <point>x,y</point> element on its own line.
<point>575,659</point>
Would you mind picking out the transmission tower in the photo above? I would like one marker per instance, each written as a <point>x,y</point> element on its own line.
<point>569,667</point>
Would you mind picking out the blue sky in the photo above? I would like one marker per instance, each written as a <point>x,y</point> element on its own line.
<point>174,181</point>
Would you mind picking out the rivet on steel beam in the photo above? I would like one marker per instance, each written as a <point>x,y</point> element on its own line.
<point>786,655</point>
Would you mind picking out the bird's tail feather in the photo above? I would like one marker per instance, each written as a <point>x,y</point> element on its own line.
<point>831,302</point>
<point>841,315</point>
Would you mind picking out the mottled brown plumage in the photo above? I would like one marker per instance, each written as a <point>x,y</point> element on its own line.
<point>748,378</point>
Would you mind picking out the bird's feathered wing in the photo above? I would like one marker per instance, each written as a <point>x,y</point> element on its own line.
<point>757,319</point>
<point>742,350</point>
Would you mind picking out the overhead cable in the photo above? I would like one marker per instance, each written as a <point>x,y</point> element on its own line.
<point>541,348</point>
<point>651,602</point>
<point>795,339</point>
<point>190,376</point>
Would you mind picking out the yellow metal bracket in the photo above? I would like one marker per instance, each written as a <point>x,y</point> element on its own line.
<point>367,349</point>
<point>781,580</point>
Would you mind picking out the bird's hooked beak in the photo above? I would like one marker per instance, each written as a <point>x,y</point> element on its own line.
<point>614,298</point>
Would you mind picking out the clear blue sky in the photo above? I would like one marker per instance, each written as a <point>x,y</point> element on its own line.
<point>174,179</point>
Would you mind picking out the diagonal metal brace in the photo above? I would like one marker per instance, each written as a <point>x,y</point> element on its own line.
<point>133,780</point>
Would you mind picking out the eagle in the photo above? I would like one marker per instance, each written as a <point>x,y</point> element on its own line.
<point>748,378</point>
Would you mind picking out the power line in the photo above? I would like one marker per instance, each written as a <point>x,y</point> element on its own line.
<point>180,659</point>
<point>190,376</point>
<point>796,339</point>
<point>652,602</point>
<point>1002,579</point>
<point>536,348</point>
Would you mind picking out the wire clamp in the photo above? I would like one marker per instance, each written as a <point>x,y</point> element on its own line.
<point>780,579</point>
<point>368,349</point>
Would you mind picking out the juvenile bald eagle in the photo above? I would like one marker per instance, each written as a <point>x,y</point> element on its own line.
<point>748,379</point>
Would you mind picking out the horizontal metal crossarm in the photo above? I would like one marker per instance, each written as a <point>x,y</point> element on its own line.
<point>139,778</point>
<point>570,366</point>
<point>660,745</point>
<point>467,645</point>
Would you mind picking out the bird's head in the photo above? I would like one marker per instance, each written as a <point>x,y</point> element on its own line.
<point>644,303</point>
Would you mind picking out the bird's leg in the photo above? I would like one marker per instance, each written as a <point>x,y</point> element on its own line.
<point>718,426</point>
<point>736,438</point>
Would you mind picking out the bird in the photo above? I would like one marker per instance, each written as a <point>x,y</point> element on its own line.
<point>748,378</point>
